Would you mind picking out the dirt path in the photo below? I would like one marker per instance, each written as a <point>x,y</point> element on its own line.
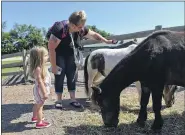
<point>17,104</point>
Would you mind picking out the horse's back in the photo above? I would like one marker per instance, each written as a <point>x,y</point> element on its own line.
<point>114,56</point>
<point>167,54</point>
<point>109,51</point>
<point>110,56</point>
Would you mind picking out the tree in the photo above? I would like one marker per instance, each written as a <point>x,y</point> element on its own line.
<point>27,36</point>
<point>4,25</point>
<point>94,28</point>
<point>101,32</point>
<point>22,36</point>
<point>7,43</point>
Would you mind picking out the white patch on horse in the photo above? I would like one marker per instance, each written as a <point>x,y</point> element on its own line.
<point>113,56</point>
<point>104,60</point>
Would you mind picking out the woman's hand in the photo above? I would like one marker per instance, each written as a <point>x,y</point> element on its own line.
<point>54,69</point>
<point>111,42</point>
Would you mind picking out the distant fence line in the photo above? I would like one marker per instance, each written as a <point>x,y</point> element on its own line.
<point>23,63</point>
<point>25,54</point>
<point>139,34</point>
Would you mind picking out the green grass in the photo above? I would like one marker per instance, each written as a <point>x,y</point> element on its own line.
<point>173,118</point>
<point>8,62</point>
<point>14,69</point>
<point>8,70</point>
<point>4,77</point>
<point>17,57</point>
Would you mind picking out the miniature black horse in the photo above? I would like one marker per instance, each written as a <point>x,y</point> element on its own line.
<point>157,61</point>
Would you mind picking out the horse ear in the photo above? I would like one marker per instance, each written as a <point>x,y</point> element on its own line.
<point>96,89</point>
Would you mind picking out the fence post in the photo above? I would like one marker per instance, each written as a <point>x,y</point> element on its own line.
<point>25,65</point>
<point>158,27</point>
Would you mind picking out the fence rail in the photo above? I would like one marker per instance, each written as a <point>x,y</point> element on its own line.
<point>139,34</point>
<point>22,64</point>
<point>24,53</point>
<point>12,73</point>
<point>11,55</point>
<point>17,64</point>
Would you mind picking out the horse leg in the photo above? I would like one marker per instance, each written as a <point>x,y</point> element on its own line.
<point>138,87</point>
<point>91,75</point>
<point>157,92</point>
<point>145,95</point>
<point>171,94</point>
<point>168,94</point>
<point>98,79</point>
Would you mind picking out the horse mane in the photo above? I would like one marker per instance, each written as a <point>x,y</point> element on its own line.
<point>154,34</point>
<point>146,44</point>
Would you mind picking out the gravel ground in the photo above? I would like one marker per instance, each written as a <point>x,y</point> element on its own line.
<point>17,102</point>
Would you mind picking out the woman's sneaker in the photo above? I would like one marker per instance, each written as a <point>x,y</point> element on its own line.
<point>44,124</point>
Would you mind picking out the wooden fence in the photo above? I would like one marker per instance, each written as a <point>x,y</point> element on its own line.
<point>136,35</point>
<point>24,53</point>
<point>23,64</point>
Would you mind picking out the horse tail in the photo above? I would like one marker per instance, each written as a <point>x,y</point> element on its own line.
<point>86,75</point>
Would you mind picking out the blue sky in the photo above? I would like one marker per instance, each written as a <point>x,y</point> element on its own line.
<point>113,17</point>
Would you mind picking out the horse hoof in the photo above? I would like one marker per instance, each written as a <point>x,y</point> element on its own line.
<point>141,123</point>
<point>155,130</point>
<point>168,106</point>
<point>110,126</point>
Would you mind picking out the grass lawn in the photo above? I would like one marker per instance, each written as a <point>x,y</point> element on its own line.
<point>8,62</point>
<point>13,58</point>
<point>7,70</point>
<point>173,119</point>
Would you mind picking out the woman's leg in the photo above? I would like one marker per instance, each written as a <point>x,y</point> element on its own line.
<point>71,80</point>
<point>70,75</point>
<point>59,80</point>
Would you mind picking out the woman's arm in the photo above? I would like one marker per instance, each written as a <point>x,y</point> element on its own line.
<point>95,36</point>
<point>52,45</point>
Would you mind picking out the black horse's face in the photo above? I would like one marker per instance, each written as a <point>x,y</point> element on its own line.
<point>109,107</point>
